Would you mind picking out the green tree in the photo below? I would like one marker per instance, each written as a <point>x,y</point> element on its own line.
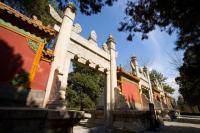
<point>144,16</point>
<point>154,74</point>
<point>168,88</point>
<point>189,79</point>
<point>84,87</point>
<point>180,103</point>
<point>159,76</point>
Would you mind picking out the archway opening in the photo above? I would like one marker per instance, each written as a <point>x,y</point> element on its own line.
<point>85,88</point>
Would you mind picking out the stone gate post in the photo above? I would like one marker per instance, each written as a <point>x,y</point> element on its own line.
<point>111,80</point>
<point>113,68</point>
<point>61,62</point>
<point>150,87</point>
<point>107,105</point>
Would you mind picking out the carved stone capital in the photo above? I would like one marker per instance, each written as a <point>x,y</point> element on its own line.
<point>77,28</point>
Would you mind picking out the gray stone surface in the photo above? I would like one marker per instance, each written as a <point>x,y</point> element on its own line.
<point>34,120</point>
<point>178,127</point>
<point>131,121</point>
<point>20,97</point>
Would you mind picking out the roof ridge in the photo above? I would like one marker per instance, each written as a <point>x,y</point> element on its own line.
<point>34,21</point>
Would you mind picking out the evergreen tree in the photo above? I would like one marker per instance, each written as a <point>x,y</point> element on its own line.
<point>84,87</point>
<point>168,88</point>
<point>161,80</point>
<point>189,79</point>
<point>159,76</point>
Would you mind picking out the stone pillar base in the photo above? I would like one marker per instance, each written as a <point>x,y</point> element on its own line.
<point>56,104</point>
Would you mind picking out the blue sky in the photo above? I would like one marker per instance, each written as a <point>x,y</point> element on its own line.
<point>155,53</point>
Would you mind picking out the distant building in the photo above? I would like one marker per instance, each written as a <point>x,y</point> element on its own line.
<point>129,88</point>
<point>135,86</point>
<point>139,90</point>
<point>162,100</point>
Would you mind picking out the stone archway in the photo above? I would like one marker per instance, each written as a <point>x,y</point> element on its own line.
<point>71,45</point>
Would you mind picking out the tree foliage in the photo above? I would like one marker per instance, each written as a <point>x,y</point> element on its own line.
<point>168,88</point>
<point>180,103</point>
<point>84,87</point>
<point>40,7</point>
<point>154,74</point>
<point>181,16</point>
<point>159,76</point>
<point>189,79</point>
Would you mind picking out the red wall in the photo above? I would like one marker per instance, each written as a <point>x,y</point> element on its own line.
<point>41,76</point>
<point>156,95</point>
<point>131,91</point>
<point>15,55</point>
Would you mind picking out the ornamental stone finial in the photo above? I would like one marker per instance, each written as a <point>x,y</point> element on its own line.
<point>70,11</point>
<point>133,58</point>
<point>145,69</point>
<point>71,6</point>
<point>110,39</point>
<point>111,42</point>
<point>77,28</point>
<point>93,36</point>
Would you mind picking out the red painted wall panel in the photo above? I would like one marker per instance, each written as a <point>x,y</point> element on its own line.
<point>131,91</point>
<point>41,77</point>
<point>156,95</point>
<point>15,55</point>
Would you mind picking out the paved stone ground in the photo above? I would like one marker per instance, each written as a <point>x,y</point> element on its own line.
<point>186,124</point>
<point>81,129</point>
<point>178,127</point>
<point>170,127</point>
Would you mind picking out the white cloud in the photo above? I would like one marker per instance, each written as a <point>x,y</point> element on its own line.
<point>171,81</point>
<point>160,60</point>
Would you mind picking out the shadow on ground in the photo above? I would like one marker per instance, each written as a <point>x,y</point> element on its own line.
<point>177,127</point>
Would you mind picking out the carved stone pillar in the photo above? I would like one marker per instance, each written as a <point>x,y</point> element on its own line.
<point>113,68</point>
<point>60,61</point>
<point>107,110</point>
<point>135,63</point>
<point>150,86</point>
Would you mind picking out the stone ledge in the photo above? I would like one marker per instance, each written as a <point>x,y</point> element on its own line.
<point>131,121</point>
<point>37,120</point>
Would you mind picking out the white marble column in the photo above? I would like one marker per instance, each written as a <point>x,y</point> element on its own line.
<point>150,87</point>
<point>113,69</point>
<point>107,110</point>
<point>65,77</point>
<point>60,59</point>
<point>134,60</point>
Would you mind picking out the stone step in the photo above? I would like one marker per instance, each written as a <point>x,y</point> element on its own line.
<point>83,129</point>
<point>92,122</point>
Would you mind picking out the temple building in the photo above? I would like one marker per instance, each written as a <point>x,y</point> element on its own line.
<point>139,90</point>
<point>25,60</point>
<point>129,88</point>
<point>135,85</point>
<point>162,100</point>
